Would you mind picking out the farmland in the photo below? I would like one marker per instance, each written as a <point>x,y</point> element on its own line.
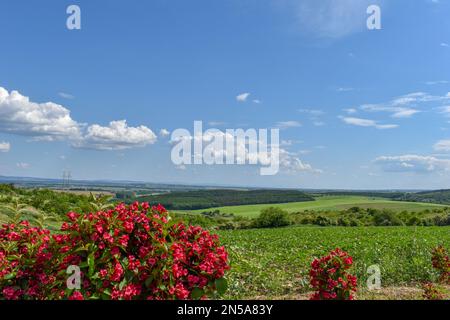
<point>274,263</point>
<point>330,203</point>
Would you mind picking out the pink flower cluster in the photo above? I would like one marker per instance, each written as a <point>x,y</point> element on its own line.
<point>129,252</point>
<point>330,279</point>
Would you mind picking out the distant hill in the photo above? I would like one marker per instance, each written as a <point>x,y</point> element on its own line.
<point>437,196</point>
<point>203,199</point>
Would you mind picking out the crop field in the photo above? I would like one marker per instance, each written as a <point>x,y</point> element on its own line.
<point>327,203</point>
<point>274,263</point>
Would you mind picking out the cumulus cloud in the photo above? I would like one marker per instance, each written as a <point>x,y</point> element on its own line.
<point>47,120</point>
<point>413,163</point>
<point>245,151</point>
<point>5,146</point>
<point>290,163</point>
<point>242,97</point>
<point>367,123</point>
<point>117,136</point>
<point>50,122</point>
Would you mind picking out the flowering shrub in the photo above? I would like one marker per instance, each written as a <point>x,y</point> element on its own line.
<point>26,270</point>
<point>441,263</point>
<point>431,292</point>
<point>330,278</point>
<point>129,252</point>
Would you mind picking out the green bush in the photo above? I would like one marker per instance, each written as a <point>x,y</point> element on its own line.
<point>386,218</point>
<point>272,218</point>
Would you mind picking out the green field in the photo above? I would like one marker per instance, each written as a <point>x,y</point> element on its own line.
<point>327,203</point>
<point>274,263</point>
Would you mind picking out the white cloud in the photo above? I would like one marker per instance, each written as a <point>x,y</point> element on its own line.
<point>344,89</point>
<point>367,123</point>
<point>22,165</point>
<point>445,110</point>
<point>288,124</point>
<point>242,97</point>
<point>312,112</point>
<point>314,115</point>
<point>290,163</point>
<point>442,145</point>
<point>5,146</point>
<point>403,106</point>
<point>48,120</point>
<point>164,133</point>
<point>257,101</point>
<point>397,112</point>
<point>216,123</point>
<point>444,44</point>
<point>332,18</point>
<point>286,143</point>
<point>117,136</point>
<point>432,83</point>
<point>350,110</point>
<point>66,95</point>
<point>413,163</point>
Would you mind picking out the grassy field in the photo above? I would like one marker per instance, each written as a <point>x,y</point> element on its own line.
<point>327,203</point>
<point>274,263</point>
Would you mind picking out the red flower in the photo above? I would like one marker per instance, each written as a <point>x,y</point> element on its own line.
<point>73,216</point>
<point>76,295</point>
<point>329,277</point>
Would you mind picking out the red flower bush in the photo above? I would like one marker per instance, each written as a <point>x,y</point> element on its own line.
<point>441,263</point>
<point>330,279</point>
<point>130,252</point>
<point>26,270</point>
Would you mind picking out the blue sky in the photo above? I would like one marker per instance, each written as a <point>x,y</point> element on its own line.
<point>357,108</point>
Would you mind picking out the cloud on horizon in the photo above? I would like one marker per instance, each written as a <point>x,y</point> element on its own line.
<point>413,163</point>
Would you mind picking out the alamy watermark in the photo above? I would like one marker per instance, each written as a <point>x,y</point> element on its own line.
<point>229,147</point>
<point>374,280</point>
<point>74,280</point>
<point>374,20</point>
<point>73,21</point>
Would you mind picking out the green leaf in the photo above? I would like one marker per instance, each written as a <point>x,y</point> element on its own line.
<point>122,283</point>
<point>221,285</point>
<point>91,264</point>
<point>9,276</point>
<point>197,293</point>
<point>149,281</point>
